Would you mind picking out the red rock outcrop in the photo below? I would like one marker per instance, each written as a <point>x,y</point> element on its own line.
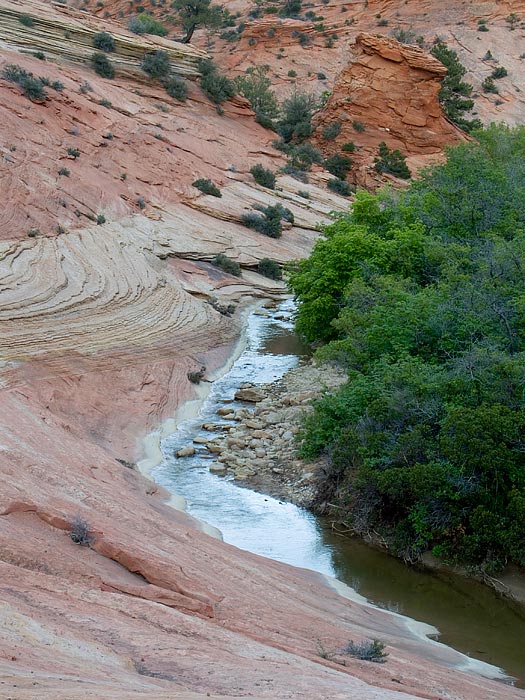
<point>388,92</point>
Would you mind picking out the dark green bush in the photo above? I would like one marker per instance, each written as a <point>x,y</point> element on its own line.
<point>339,187</point>
<point>488,85</point>
<point>297,112</point>
<point>270,268</point>
<point>291,8</point>
<point>32,87</point>
<point>104,42</point>
<point>269,220</point>
<point>73,152</point>
<point>332,131</point>
<point>304,155</point>
<point>207,186</point>
<point>255,86</point>
<point>227,264</point>
<point>102,65</point>
<point>40,55</point>
<point>26,20</point>
<point>176,88</point>
<point>263,176</point>
<point>338,165</point>
<point>358,126</point>
<point>372,650</point>
<point>64,172</point>
<point>348,147</point>
<point>156,64</point>
<point>499,72</point>
<point>392,162</point>
<point>217,87</point>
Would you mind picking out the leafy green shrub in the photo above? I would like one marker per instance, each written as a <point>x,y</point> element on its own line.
<point>298,174</point>
<point>338,165</point>
<point>263,176</point>
<point>296,122</point>
<point>255,86</point>
<point>176,88</point>
<point>64,172</point>
<point>102,65</point>
<point>269,220</point>
<point>321,76</point>
<point>348,147</point>
<point>358,126</point>
<point>291,8</point>
<point>227,264</point>
<point>499,72</point>
<point>26,20</point>
<point>217,87</point>
<point>454,95</point>
<point>207,186</point>
<point>73,152</point>
<point>146,24</point>
<point>339,187</point>
<point>488,85</point>
<point>101,219</point>
<point>304,155</point>
<point>270,268</point>
<point>156,64</point>
<point>40,55</point>
<point>32,87</point>
<point>332,131</point>
<point>372,650</point>
<point>392,162</point>
<point>292,74</point>
<point>104,42</point>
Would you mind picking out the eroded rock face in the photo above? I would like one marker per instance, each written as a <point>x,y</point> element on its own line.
<point>388,92</point>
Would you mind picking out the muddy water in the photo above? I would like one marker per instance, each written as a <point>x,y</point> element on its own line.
<point>469,616</point>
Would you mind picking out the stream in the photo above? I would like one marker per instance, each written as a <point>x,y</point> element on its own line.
<point>470,617</point>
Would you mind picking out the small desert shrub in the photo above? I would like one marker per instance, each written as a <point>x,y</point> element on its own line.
<point>348,147</point>
<point>296,122</point>
<point>358,126</point>
<point>217,87</point>
<point>196,376</point>
<point>304,156</point>
<point>268,222</point>
<point>207,186</point>
<point>227,264</point>
<point>290,8</point>
<point>338,165</point>
<point>73,152</point>
<point>26,20</point>
<point>80,532</point>
<point>488,85</point>
<point>105,103</point>
<point>33,233</point>
<point>321,76</point>
<point>64,172</point>
<point>104,42</point>
<point>102,65</point>
<point>269,268</point>
<point>292,74</point>
<point>32,87</point>
<point>176,88</point>
<point>263,176</point>
<point>141,203</point>
<point>304,194</point>
<point>40,55</point>
<point>499,72</point>
<point>156,64</point>
<point>146,24</point>
<point>298,174</point>
<point>332,131</point>
<point>339,186</point>
<point>393,162</point>
<point>256,87</point>
<point>101,219</point>
<point>372,650</point>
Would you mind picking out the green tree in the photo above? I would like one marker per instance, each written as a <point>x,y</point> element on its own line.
<point>197,13</point>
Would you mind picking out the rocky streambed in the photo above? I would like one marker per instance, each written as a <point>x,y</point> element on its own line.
<point>257,443</point>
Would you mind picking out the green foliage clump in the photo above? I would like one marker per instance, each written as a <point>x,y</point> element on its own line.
<point>269,221</point>
<point>296,121</point>
<point>32,87</point>
<point>26,20</point>
<point>454,95</point>
<point>332,131</point>
<point>358,126</point>
<point>227,264</point>
<point>263,176</point>
<point>176,88</point>
<point>104,42</point>
<point>499,72</point>
<point>338,165</point>
<point>270,268</point>
<point>488,85</point>
<point>291,8</point>
<point>419,294</point>
<point>373,650</point>
<point>102,65</point>
<point>196,13</point>
<point>156,64</point>
<point>339,186</point>
<point>73,152</point>
<point>255,86</point>
<point>146,24</point>
<point>392,162</point>
<point>217,87</point>
<point>207,186</point>
<point>348,147</point>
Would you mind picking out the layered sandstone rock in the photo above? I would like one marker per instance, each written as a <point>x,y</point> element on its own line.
<point>388,92</point>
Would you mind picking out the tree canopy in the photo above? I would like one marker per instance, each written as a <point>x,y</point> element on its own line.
<point>196,13</point>
<point>421,296</point>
